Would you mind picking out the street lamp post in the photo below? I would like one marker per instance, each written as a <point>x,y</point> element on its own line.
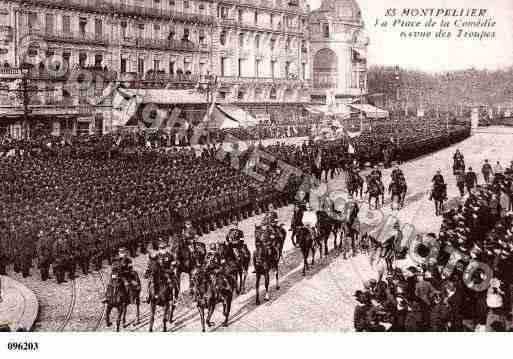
<point>208,85</point>
<point>24,92</point>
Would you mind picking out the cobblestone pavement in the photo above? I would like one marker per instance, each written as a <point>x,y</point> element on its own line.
<point>318,302</point>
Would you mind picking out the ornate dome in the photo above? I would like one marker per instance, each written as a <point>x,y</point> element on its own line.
<point>345,10</point>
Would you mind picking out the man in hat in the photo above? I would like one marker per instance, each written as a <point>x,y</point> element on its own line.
<point>486,170</point>
<point>470,180</point>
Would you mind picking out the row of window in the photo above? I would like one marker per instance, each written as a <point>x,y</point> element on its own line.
<point>223,12</point>
<point>98,28</point>
<point>257,41</point>
<point>242,66</point>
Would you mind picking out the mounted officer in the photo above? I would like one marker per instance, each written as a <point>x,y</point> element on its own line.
<point>235,236</point>
<point>121,266</point>
<point>297,216</point>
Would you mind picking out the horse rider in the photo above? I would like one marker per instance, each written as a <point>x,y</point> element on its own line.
<point>470,179</point>
<point>235,237</point>
<point>299,208</point>
<point>438,179</point>
<point>486,170</point>
<point>212,259</point>
<point>376,174</point>
<point>121,266</point>
<point>458,157</point>
<point>397,174</point>
<point>309,220</point>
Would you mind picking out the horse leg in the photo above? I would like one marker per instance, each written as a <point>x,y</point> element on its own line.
<point>165,316</point>
<point>276,277</point>
<point>201,311</point>
<point>266,282</point>
<point>305,261</point>
<point>326,244</point>
<point>125,309</point>
<point>107,315</point>
<point>211,308</point>
<point>257,285</point>
<point>137,307</point>
<point>313,254</point>
<point>172,310</point>
<point>227,310</point>
<point>152,315</point>
<point>120,316</point>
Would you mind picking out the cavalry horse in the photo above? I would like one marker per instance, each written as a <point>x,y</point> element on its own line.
<point>269,246</point>
<point>187,258</point>
<point>354,183</point>
<point>305,240</point>
<point>237,260</point>
<point>397,190</point>
<point>116,296</point>
<point>211,288</point>
<point>163,290</point>
<point>439,195</point>
<point>375,190</point>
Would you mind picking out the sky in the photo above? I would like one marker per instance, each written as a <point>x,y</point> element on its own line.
<point>437,54</point>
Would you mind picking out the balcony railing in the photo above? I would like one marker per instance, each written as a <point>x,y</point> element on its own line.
<point>9,72</point>
<point>291,6</point>
<point>261,80</point>
<point>70,37</point>
<point>164,44</point>
<point>100,6</point>
<point>250,25</point>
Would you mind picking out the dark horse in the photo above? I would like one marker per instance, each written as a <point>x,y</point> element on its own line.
<point>327,223</point>
<point>116,296</point>
<point>305,241</point>
<point>267,256</point>
<point>439,195</point>
<point>187,258</point>
<point>397,190</point>
<point>240,256</point>
<point>163,289</point>
<point>375,190</point>
<point>354,183</point>
<point>209,289</point>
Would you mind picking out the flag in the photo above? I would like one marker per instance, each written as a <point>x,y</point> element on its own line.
<point>351,149</point>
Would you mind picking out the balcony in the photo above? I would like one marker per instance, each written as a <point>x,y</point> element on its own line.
<point>104,7</point>
<point>70,37</point>
<point>263,80</point>
<point>164,44</point>
<point>9,73</point>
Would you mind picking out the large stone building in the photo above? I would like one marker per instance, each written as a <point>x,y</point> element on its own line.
<point>338,46</point>
<point>264,52</point>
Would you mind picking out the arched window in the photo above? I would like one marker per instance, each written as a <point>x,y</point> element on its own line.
<point>272,94</point>
<point>257,41</point>
<point>326,30</point>
<point>222,38</point>
<point>241,39</point>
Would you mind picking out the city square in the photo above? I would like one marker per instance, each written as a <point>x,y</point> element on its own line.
<point>235,166</point>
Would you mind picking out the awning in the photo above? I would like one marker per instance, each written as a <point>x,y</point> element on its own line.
<point>339,111</point>
<point>220,120</point>
<point>236,113</point>
<point>165,96</point>
<point>370,111</point>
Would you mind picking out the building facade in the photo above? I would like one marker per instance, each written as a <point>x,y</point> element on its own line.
<point>338,46</point>
<point>262,51</point>
<point>265,53</point>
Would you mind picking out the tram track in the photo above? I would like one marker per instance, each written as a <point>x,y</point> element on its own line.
<point>71,307</point>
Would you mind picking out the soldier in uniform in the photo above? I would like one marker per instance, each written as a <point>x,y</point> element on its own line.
<point>4,256</point>
<point>59,252</point>
<point>234,235</point>
<point>212,258</point>
<point>376,174</point>
<point>97,255</point>
<point>297,217</point>
<point>44,256</point>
